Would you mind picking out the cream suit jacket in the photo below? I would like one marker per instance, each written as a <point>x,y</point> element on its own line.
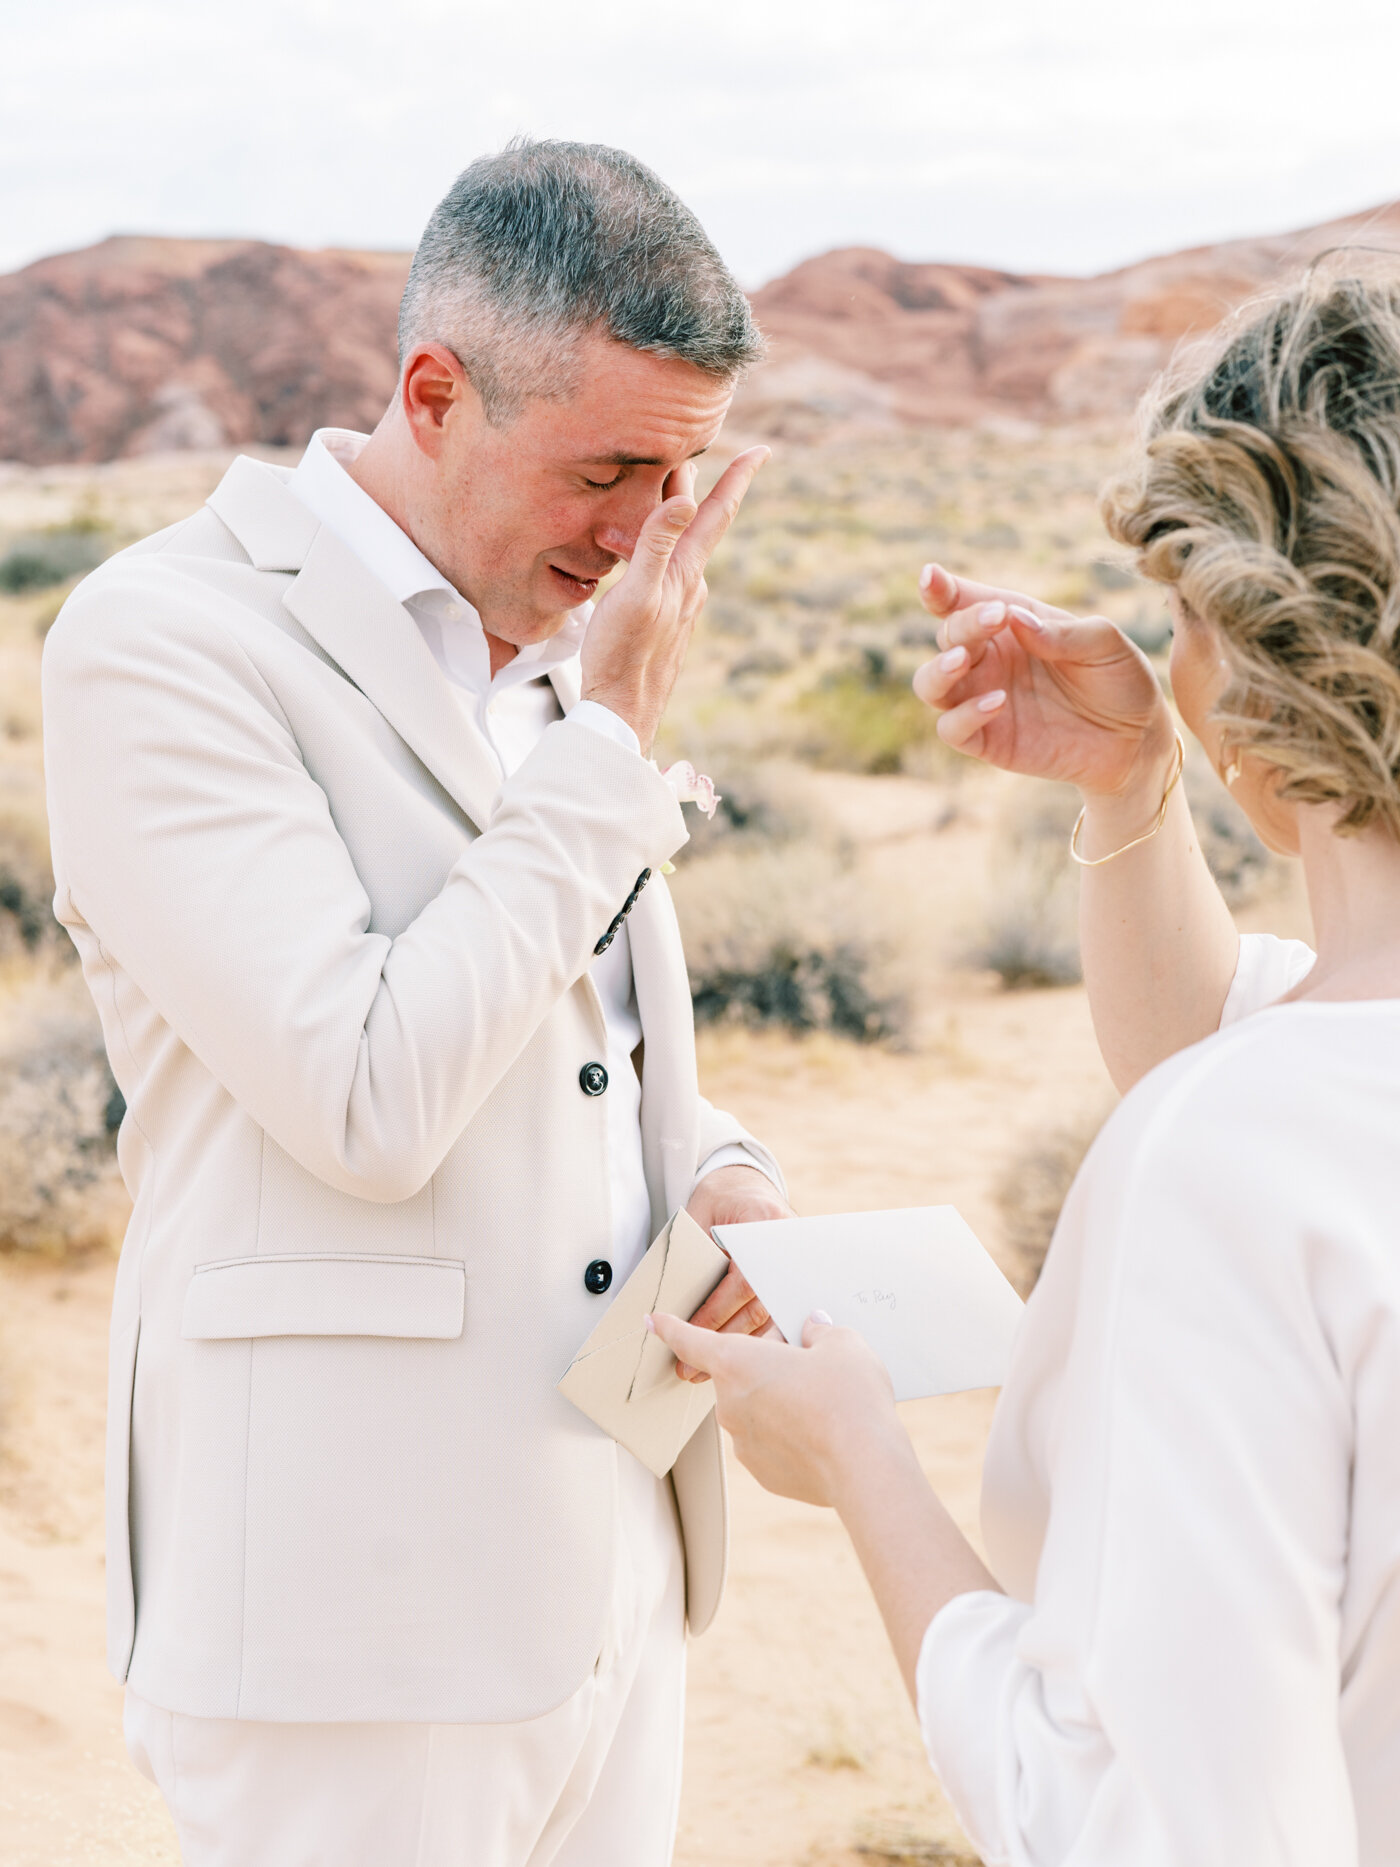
<point>342,975</point>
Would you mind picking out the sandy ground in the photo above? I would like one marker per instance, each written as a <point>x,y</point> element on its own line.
<point>802,1749</point>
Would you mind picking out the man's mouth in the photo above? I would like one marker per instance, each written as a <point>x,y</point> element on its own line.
<point>579,588</point>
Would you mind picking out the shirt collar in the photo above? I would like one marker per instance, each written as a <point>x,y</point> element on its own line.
<point>323,485</point>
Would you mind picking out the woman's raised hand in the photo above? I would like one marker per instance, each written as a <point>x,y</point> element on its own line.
<point>1035,690</point>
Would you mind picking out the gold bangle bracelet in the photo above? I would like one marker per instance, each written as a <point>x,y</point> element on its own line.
<point>1094,862</point>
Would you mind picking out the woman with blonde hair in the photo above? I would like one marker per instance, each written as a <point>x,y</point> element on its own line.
<point>1190,1652</point>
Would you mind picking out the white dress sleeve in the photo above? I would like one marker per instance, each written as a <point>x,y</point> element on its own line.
<point>1170,1696</point>
<point>1267,968</point>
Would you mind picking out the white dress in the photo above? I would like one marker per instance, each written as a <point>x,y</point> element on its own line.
<point>1192,1488</point>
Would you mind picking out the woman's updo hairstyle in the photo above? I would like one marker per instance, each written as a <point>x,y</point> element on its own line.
<point>1267,491</point>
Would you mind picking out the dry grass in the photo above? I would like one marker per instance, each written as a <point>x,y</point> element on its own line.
<point>39,560</point>
<point>895,1845</point>
<point>59,1186</point>
<point>1033,1187</point>
<point>59,1110</point>
<point>838,1748</point>
<point>1240,863</point>
<point>785,935</point>
<point>28,929</point>
<point>814,622</point>
<point>865,717</point>
<point>778,923</point>
<point>1027,932</point>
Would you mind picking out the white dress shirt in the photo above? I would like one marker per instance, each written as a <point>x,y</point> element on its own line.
<point>1192,1488</point>
<point>510,710</point>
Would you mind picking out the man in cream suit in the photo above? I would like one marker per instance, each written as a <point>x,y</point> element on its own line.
<point>356,832</point>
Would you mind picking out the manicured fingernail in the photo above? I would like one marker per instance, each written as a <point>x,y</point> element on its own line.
<point>991,613</point>
<point>990,702</point>
<point>820,1315</point>
<point>649,1325</point>
<point>926,576</point>
<point>954,658</point>
<point>1026,619</point>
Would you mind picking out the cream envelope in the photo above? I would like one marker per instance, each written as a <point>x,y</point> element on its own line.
<point>623,1377</point>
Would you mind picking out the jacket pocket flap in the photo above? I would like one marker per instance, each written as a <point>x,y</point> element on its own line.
<point>326,1294</point>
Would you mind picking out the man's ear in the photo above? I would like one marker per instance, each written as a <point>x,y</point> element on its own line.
<point>434,389</point>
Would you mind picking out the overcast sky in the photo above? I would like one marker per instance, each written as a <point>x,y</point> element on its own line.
<point>1053,135</point>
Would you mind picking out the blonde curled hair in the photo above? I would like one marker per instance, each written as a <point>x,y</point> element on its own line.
<point>1267,491</point>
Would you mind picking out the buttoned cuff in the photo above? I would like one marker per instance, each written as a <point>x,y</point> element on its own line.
<point>600,719</point>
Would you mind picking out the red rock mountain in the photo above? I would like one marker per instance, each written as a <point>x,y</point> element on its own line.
<point>861,336</point>
<point>141,344</point>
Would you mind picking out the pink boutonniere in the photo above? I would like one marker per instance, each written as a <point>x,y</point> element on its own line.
<point>691,786</point>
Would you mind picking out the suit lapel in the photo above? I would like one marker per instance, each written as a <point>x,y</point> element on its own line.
<point>370,637</point>
<point>377,643</point>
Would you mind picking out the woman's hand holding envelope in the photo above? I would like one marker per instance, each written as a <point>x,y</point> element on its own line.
<point>801,1417</point>
<point>818,1423</point>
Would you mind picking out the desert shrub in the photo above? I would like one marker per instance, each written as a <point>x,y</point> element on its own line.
<point>27,924</point>
<point>784,936</point>
<point>723,616</point>
<point>1027,932</point>
<point>1150,628</point>
<point>27,570</point>
<point>25,914</point>
<point>759,805</point>
<point>761,664</point>
<point>918,631</point>
<point>864,717</point>
<point>40,559</point>
<point>994,535</point>
<point>1240,863</point>
<point>1106,575</point>
<point>1032,1188</point>
<point>892,1843</point>
<point>59,1110</point>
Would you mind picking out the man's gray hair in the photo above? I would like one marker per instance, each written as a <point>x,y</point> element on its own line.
<point>535,246</point>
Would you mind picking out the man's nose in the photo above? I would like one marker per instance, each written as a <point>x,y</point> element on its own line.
<point>619,536</point>
<point>620,524</point>
<point>614,540</point>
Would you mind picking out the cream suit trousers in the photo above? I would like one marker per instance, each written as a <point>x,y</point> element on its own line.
<point>593,1783</point>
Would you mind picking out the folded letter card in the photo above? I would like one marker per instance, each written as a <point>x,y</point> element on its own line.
<point>623,1377</point>
<point>915,1283</point>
